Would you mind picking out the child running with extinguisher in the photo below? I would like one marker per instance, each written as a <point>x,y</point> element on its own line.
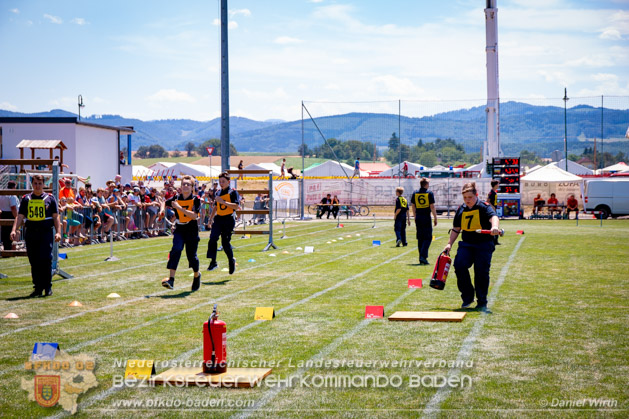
<point>474,248</point>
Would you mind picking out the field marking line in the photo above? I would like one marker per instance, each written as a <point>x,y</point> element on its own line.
<point>102,395</point>
<point>269,395</point>
<point>105,247</point>
<point>169,316</point>
<point>103,261</point>
<point>28,303</point>
<point>106,307</point>
<point>64,281</point>
<point>433,407</point>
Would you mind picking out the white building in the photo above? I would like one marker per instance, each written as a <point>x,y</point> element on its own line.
<point>93,150</point>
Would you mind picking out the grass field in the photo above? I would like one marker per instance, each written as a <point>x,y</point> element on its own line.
<point>555,338</point>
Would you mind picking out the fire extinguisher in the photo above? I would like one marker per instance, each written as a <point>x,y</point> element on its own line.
<point>440,274</point>
<point>214,345</point>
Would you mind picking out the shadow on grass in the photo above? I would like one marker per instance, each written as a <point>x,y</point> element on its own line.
<point>168,296</point>
<point>223,282</point>
<point>25,297</point>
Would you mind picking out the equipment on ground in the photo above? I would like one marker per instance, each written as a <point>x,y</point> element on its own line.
<point>214,345</point>
<point>440,274</point>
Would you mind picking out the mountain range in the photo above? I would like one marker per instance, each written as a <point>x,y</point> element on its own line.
<point>522,126</point>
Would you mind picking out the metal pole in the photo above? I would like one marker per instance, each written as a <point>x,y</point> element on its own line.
<point>284,236</point>
<point>111,257</point>
<point>399,136</point>
<point>224,89</point>
<point>374,221</point>
<point>271,244</point>
<point>303,167</point>
<point>565,125</point>
<point>55,247</point>
<point>602,107</point>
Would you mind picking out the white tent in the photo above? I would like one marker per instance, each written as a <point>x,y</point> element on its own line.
<point>528,171</point>
<point>162,165</point>
<point>139,170</point>
<point>196,170</point>
<point>550,173</point>
<point>614,168</point>
<point>332,168</point>
<point>277,170</point>
<point>413,168</point>
<point>573,167</point>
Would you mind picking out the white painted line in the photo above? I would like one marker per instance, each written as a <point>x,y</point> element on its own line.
<point>327,350</point>
<point>102,395</point>
<point>166,317</point>
<point>433,407</point>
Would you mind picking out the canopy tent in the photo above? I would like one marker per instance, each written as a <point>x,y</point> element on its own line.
<point>573,167</point>
<point>615,168</point>
<point>413,169</point>
<point>198,171</point>
<point>140,171</point>
<point>551,173</point>
<point>374,169</point>
<point>332,168</point>
<point>529,170</point>
<point>277,170</point>
<point>162,165</point>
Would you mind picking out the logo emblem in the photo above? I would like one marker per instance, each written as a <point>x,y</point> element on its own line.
<point>47,389</point>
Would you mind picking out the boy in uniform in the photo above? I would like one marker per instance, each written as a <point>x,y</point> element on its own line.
<point>423,204</point>
<point>40,211</point>
<point>222,222</point>
<point>401,217</point>
<point>186,206</point>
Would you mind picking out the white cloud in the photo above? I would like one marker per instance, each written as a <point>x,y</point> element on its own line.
<point>53,19</point>
<point>612,34</point>
<point>231,25</point>
<point>16,11</point>
<point>236,12</point>
<point>79,21</point>
<point>7,106</point>
<point>394,87</point>
<point>605,77</point>
<point>170,95</point>
<point>285,40</point>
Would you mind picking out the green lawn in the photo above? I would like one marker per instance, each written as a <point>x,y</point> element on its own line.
<point>556,332</point>
<point>296,162</point>
<point>182,159</point>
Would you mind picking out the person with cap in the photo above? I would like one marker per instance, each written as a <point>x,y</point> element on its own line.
<point>39,209</point>
<point>423,205</point>
<point>222,222</point>
<point>186,206</point>
<point>474,248</point>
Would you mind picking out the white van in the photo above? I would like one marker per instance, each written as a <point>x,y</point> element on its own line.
<point>611,196</point>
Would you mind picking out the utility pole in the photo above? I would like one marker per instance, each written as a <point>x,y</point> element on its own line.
<point>565,125</point>
<point>224,89</point>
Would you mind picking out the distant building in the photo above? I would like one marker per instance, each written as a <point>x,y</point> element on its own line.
<point>556,155</point>
<point>587,162</point>
<point>92,149</point>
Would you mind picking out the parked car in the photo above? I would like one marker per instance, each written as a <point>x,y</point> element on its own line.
<point>611,196</point>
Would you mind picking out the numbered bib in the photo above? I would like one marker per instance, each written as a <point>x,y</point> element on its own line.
<point>188,205</point>
<point>222,209</point>
<point>470,220</point>
<point>36,210</point>
<point>403,202</point>
<point>421,200</point>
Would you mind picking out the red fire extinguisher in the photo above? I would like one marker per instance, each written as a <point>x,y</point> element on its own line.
<point>214,345</point>
<point>440,274</point>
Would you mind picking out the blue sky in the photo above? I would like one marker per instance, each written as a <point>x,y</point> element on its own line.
<point>160,59</point>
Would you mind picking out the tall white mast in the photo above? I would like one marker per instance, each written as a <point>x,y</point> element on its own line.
<point>492,144</point>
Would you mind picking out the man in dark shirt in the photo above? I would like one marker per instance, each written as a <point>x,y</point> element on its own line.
<point>187,207</point>
<point>324,206</point>
<point>39,209</point>
<point>423,205</point>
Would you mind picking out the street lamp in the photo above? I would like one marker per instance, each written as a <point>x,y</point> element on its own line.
<point>81,105</point>
<point>565,125</point>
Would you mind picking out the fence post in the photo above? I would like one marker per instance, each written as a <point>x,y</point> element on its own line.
<point>270,244</point>
<point>111,257</point>
<point>55,247</point>
<point>284,236</point>
<point>374,221</point>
